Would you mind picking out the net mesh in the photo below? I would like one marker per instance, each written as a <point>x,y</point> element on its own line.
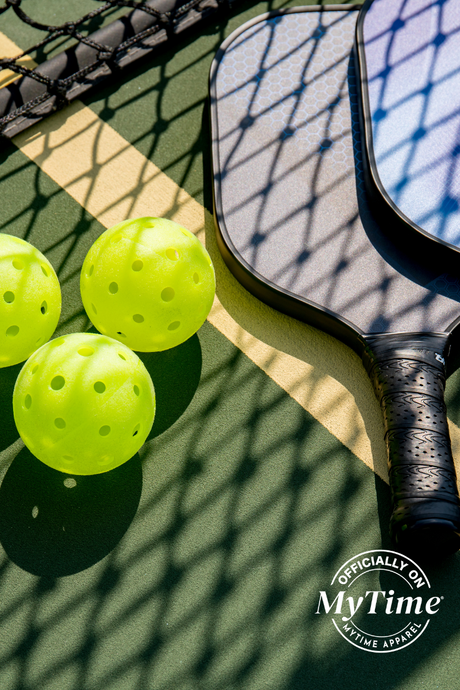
<point>93,57</point>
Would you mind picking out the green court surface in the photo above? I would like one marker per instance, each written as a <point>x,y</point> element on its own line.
<point>198,564</point>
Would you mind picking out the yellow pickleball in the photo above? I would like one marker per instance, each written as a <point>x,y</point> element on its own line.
<point>148,283</point>
<point>84,403</point>
<point>30,300</point>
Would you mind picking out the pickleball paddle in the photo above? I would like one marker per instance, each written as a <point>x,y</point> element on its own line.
<point>409,67</point>
<point>294,227</point>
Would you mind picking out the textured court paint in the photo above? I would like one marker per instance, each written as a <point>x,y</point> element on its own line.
<point>8,49</point>
<point>103,172</point>
<point>112,180</point>
<point>52,13</point>
<point>128,186</point>
<point>248,507</point>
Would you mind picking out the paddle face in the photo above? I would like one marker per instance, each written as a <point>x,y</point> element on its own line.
<point>294,226</point>
<point>292,219</point>
<point>410,65</point>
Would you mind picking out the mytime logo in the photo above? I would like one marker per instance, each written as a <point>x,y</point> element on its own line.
<point>379,601</point>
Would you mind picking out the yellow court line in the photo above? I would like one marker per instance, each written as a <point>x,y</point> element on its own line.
<point>113,181</point>
<point>8,49</point>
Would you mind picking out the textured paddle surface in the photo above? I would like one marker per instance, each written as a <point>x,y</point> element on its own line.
<point>412,50</point>
<point>289,178</point>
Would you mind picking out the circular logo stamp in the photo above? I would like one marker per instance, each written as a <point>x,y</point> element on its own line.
<point>379,601</point>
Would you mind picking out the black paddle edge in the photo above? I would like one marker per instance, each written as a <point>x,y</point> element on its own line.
<point>278,298</point>
<point>396,223</point>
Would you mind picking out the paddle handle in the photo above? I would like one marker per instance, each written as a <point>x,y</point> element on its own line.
<point>409,375</point>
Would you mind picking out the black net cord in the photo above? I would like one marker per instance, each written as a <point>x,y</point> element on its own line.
<point>93,58</point>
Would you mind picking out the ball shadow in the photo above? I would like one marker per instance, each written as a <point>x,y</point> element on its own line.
<point>8,432</point>
<point>53,524</point>
<point>175,374</point>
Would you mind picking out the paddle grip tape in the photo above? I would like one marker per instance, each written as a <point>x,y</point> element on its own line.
<point>409,376</point>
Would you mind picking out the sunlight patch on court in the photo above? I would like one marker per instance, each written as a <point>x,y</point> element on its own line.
<point>8,49</point>
<point>113,181</point>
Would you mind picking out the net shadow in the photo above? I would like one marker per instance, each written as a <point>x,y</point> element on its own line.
<point>248,507</point>
<point>412,70</point>
<point>288,233</point>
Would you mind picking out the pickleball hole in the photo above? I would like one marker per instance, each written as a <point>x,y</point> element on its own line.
<point>196,278</point>
<point>67,458</point>
<point>18,264</point>
<point>168,294</point>
<point>34,368</point>
<point>174,326</point>
<point>91,270</point>
<point>136,429</point>
<point>113,288</point>
<point>137,265</point>
<point>8,297</point>
<point>172,254</point>
<point>12,331</point>
<point>70,483</point>
<point>28,401</point>
<point>59,423</point>
<point>35,512</point>
<point>44,307</point>
<point>38,341</point>
<point>136,390</point>
<point>122,357</point>
<point>104,430</point>
<point>99,387</point>
<point>93,308</point>
<point>138,318</point>
<point>122,335</point>
<point>45,270</point>
<point>86,351</point>
<point>57,383</point>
